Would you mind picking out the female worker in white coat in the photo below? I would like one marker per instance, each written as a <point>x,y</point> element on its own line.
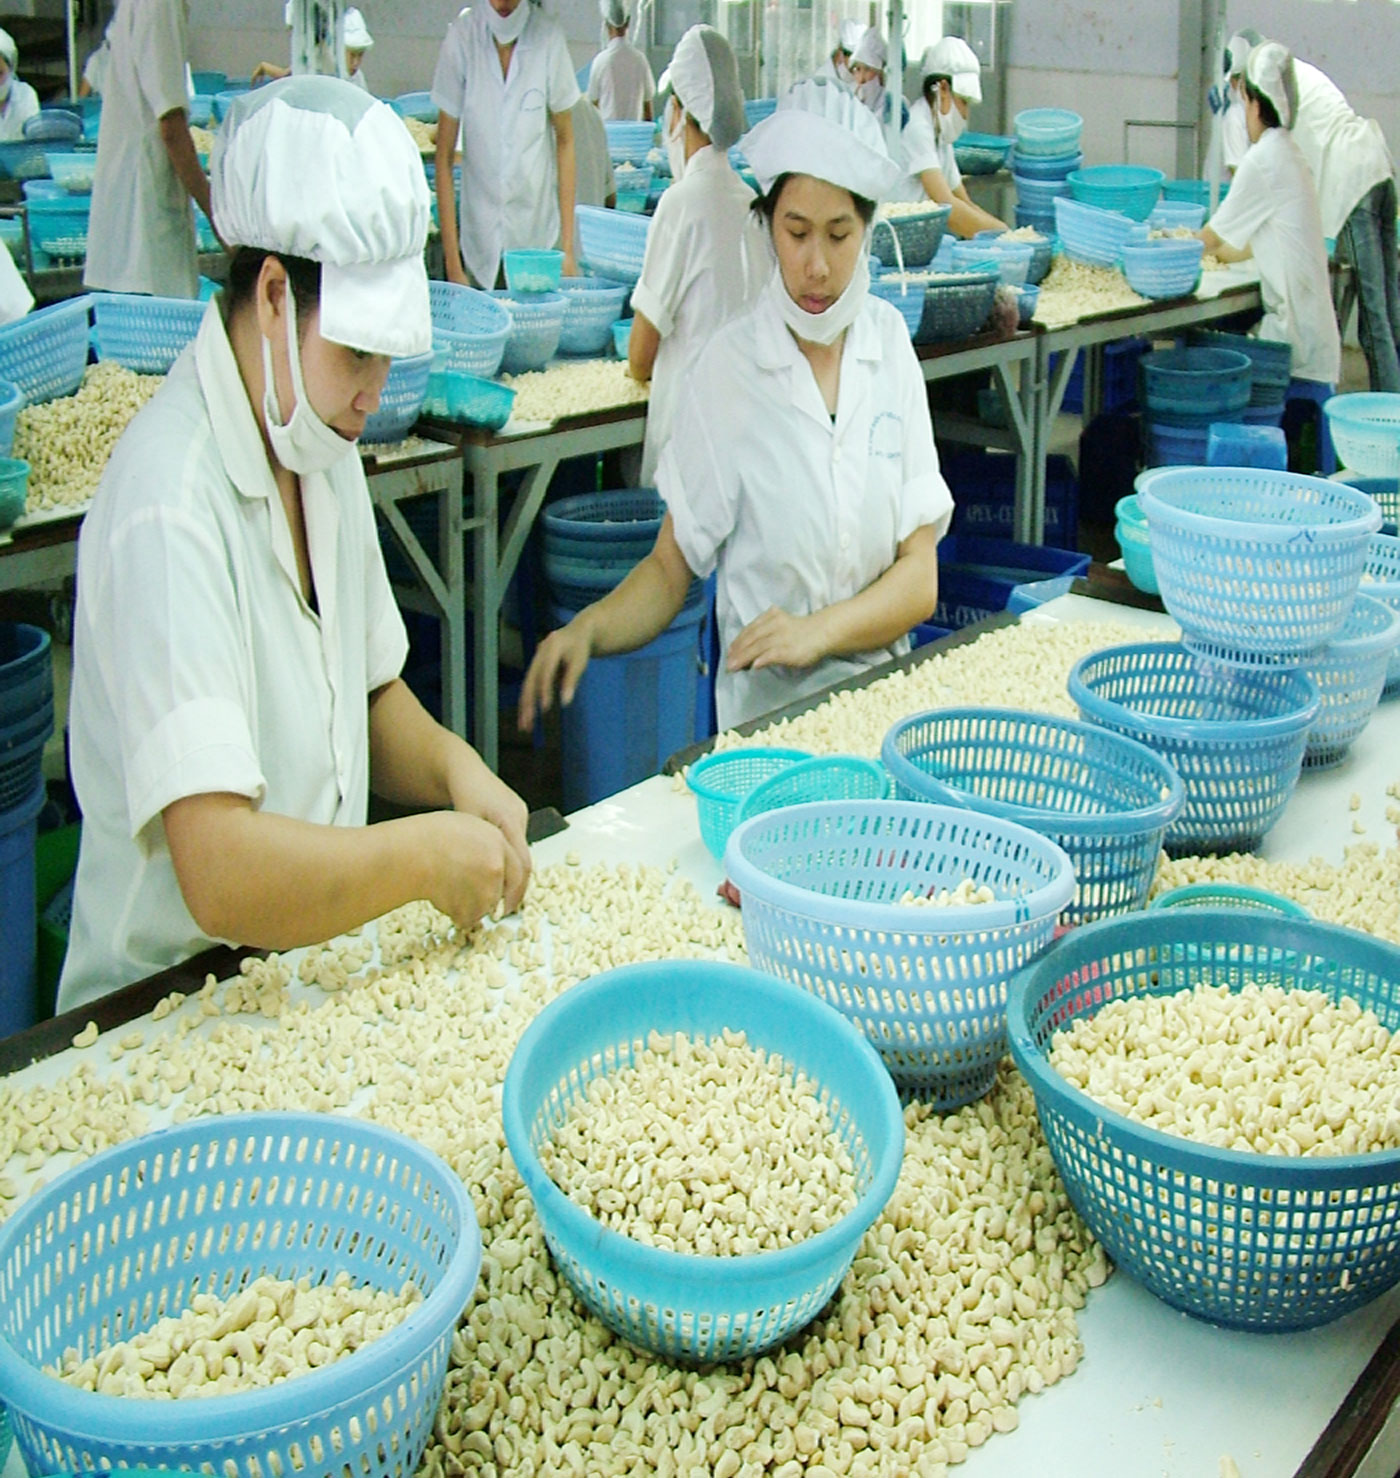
<point>236,685</point>
<point>1271,214</point>
<point>18,100</point>
<point>838,65</point>
<point>950,82</point>
<point>802,463</point>
<point>504,74</point>
<point>141,238</point>
<point>705,257</point>
<point>620,83</point>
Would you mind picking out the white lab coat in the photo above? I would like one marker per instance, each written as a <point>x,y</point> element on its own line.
<point>925,150</point>
<point>620,81</point>
<point>510,190</point>
<point>15,298</point>
<point>798,512</point>
<point>1272,209</point>
<point>95,68</point>
<point>1346,153</point>
<point>198,666</point>
<point>142,229</point>
<point>705,261</point>
<point>1234,132</point>
<point>17,109</point>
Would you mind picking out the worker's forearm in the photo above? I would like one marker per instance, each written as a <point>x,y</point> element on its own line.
<point>888,607</point>
<point>566,194</point>
<point>445,187</point>
<point>642,344</point>
<point>184,159</point>
<point>642,606</point>
<point>967,219</point>
<point>414,760</point>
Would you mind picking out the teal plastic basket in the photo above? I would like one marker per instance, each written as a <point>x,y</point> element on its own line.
<point>11,404</point>
<point>7,1437</point>
<point>478,402</point>
<point>1250,1241</point>
<point>1133,189</point>
<point>144,334</point>
<point>1106,799</point>
<point>1259,568</point>
<point>721,781</point>
<point>827,777</point>
<point>821,886</point>
<point>60,227</point>
<point>132,1232</point>
<point>46,351</point>
<point>1047,133</point>
<point>1230,895</point>
<point>1351,676</point>
<point>909,240</point>
<point>677,1305</point>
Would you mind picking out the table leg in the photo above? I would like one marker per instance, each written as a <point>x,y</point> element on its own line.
<point>486,608</point>
<point>452,560</point>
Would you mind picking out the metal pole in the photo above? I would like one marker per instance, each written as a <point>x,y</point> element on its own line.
<point>318,37</point>
<point>894,76</point>
<point>72,48</point>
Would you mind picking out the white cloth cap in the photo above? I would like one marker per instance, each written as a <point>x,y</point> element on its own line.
<point>821,128</point>
<point>1239,48</point>
<point>357,36</point>
<point>8,49</point>
<point>614,12</point>
<point>362,212</point>
<point>849,34</point>
<point>1269,71</point>
<point>953,58</point>
<point>704,75</point>
<point>870,50</point>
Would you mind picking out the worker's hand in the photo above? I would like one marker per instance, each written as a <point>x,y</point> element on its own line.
<point>470,867</point>
<point>456,272</point>
<point>777,639</point>
<point>490,798</point>
<point>267,72</point>
<point>559,663</point>
<point>570,265</point>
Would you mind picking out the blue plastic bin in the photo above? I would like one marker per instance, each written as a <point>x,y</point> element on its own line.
<point>631,712</point>
<point>18,828</point>
<point>1230,444</point>
<point>976,576</point>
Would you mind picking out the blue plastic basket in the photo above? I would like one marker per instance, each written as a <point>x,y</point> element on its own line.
<point>1235,444</point>
<point>536,320</point>
<point>417,105</point>
<point>201,111</point>
<point>401,399</point>
<point>1042,254</point>
<point>907,296</point>
<point>207,83</point>
<point>981,153</point>
<point>11,404</point>
<point>722,780</point>
<point>1132,188</point>
<point>134,1231</point>
<point>629,142</point>
<point>1169,268</point>
<point>910,240</point>
<point>1047,133</point>
<point>827,777</point>
<point>1365,430</point>
<point>1174,446</point>
<point>223,101</point>
<point>1091,234</point>
<point>1194,387</point>
<point>958,306</point>
<point>471,325</point>
<point>144,334</point>
<point>14,489</point>
<point>1137,555</point>
<point>606,525</point>
<point>1258,568</point>
<point>7,1437</point>
<point>821,886</point>
<point>591,307</point>
<point>1234,736</point>
<point>757,109</point>
<point>1105,799</point>
<point>60,227</point>
<point>53,126</point>
<point>1351,676</point>
<point>46,351</point>
<point>1271,362</point>
<point>478,402</point>
<point>1251,1241</point>
<point>1039,195</point>
<point>1230,895</point>
<point>22,160</point>
<point>680,1306</point>
<point>1027,300</point>
<point>612,243</point>
<point>75,172</point>
<point>1051,168</point>
<point>622,337</point>
<point>1172,215</point>
<point>1381,581</point>
<point>533,271</point>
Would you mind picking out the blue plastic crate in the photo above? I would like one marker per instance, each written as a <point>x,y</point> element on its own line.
<point>18,922</point>
<point>976,576</point>
<point>984,495</point>
<point>1120,380</point>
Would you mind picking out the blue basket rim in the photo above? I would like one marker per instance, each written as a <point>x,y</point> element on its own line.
<point>660,1261</point>
<point>818,764</point>
<point>695,775</point>
<point>897,918</point>
<point>1068,823</point>
<point>1249,730</point>
<point>1364,401</point>
<point>1363,643</point>
<point>1154,485</point>
<point>97,1417</point>
<point>1285,934</point>
<point>1185,896</point>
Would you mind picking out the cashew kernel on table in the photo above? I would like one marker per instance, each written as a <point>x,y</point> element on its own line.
<point>704,1146</point>
<point>272,1330</point>
<point>573,390</point>
<point>969,891</point>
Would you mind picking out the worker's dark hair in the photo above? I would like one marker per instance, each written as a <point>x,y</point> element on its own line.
<point>1268,114</point>
<point>767,205</point>
<point>246,263</point>
<point>931,86</point>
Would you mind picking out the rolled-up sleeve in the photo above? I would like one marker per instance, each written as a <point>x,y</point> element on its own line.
<point>658,292</point>
<point>700,489</point>
<point>450,75</point>
<point>563,84</point>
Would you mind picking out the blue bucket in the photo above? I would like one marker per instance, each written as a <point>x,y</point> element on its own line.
<point>18,828</point>
<point>631,712</point>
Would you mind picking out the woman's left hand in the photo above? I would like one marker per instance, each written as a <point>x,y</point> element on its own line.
<point>777,639</point>
<point>490,798</point>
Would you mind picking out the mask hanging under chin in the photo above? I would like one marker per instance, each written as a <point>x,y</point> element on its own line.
<point>507,28</point>
<point>827,326</point>
<point>305,444</point>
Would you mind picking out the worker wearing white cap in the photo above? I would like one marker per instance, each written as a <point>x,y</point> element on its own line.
<point>237,653</point>
<point>868,63</point>
<point>1271,214</point>
<point>1234,132</point>
<point>620,81</point>
<point>801,465</point>
<point>950,82</point>
<point>141,238</point>
<point>1355,178</point>
<point>705,259</point>
<point>838,64</point>
<point>355,38</point>
<point>504,75</point>
<point>18,100</point>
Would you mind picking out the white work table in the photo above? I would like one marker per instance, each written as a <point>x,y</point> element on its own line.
<point>1157,1393</point>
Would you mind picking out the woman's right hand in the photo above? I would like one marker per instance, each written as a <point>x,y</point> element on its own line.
<point>560,660</point>
<point>470,867</point>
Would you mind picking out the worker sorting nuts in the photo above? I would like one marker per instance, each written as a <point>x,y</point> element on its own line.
<point>236,684</point>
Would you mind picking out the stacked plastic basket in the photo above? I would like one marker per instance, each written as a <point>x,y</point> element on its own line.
<point>1183,392</point>
<point>1271,363</point>
<point>1046,153</point>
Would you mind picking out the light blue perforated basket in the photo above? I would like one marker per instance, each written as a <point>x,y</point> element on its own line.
<point>536,320</point>
<point>1243,1239</point>
<point>1105,798</point>
<point>612,243</point>
<point>678,1305</point>
<point>909,240</point>
<point>144,334</point>
<point>721,780</point>
<point>1230,895</point>
<point>1257,567</point>
<point>1365,429</point>
<point>1047,133</point>
<point>826,777</point>
<point>1381,580</point>
<point>1351,674</point>
<point>591,307</point>
<point>46,351</point>
<point>471,325</point>
<point>209,1206</point>
<point>7,1437</point>
<point>629,142</point>
<point>821,886</point>
<point>401,399</point>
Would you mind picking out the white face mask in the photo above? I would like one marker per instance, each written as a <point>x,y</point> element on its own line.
<point>952,125</point>
<point>305,444</point>
<point>828,326</point>
<point>675,138</point>
<point>844,74</point>
<point>872,93</point>
<point>507,28</point>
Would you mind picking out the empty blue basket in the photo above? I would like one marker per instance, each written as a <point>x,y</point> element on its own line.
<point>1351,676</point>
<point>721,781</point>
<point>145,334</point>
<point>821,886</point>
<point>826,777</point>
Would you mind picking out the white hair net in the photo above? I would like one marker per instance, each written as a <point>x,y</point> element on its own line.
<point>849,34</point>
<point>357,36</point>
<point>1269,71</point>
<point>821,128</point>
<point>870,50</point>
<point>1238,49</point>
<point>954,59</point>
<point>8,49</point>
<point>614,12</point>
<point>704,75</point>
